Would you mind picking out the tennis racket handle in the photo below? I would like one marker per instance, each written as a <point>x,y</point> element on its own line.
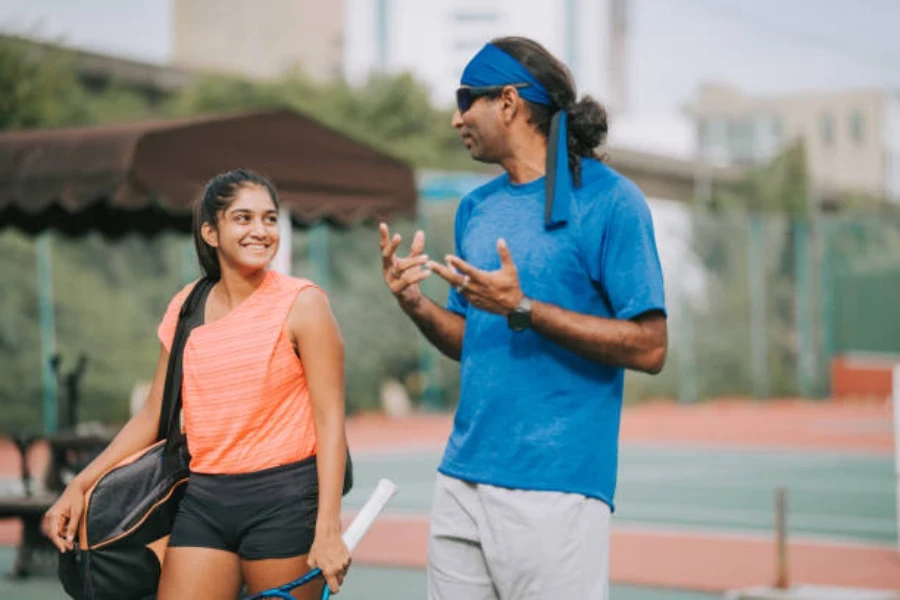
<point>369,512</point>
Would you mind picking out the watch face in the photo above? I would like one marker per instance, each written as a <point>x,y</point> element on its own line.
<point>519,321</point>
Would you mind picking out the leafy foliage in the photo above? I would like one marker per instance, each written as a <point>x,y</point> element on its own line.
<point>109,295</point>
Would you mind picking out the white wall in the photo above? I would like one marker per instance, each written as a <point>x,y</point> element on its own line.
<point>892,146</point>
<point>683,272</point>
<point>431,39</point>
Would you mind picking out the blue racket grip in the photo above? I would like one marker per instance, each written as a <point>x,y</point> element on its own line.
<point>283,591</point>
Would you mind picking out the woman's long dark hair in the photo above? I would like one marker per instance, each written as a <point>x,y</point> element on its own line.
<point>587,118</point>
<point>220,192</point>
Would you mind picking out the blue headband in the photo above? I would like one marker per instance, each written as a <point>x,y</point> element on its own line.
<point>493,66</point>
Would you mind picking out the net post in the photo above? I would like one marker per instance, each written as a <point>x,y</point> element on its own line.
<point>782,578</point>
<point>895,402</point>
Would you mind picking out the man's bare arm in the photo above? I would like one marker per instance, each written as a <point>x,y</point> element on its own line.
<point>638,344</point>
<point>441,327</point>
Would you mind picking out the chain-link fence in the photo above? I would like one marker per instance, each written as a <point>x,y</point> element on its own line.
<point>758,304</point>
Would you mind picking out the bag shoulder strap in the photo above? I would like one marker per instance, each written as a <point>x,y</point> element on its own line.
<point>190,316</point>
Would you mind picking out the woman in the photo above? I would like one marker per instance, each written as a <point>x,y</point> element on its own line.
<point>263,408</point>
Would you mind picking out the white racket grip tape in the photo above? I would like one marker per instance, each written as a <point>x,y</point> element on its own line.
<point>369,512</point>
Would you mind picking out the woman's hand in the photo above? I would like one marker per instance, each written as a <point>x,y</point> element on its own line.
<point>330,554</point>
<point>60,523</point>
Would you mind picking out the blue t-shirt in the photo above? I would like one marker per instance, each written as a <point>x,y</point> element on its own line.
<point>533,415</point>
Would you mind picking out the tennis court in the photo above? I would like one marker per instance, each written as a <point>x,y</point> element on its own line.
<point>365,583</point>
<point>694,517</point>
<point>833,496</point>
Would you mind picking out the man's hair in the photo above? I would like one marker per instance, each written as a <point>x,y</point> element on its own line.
<point>587,118</point>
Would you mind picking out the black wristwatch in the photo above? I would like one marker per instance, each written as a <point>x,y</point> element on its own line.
<point>519,319</point>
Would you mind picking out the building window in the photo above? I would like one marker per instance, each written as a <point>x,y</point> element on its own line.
<point>712,138</point>
<point>857,126</point>
<point>775,128</point>
<point>475,17</point>
<point>767,136</point>
<point>467,46</point>
<point>826,128</point>
<point>702,132</point>
<point>741,140</point>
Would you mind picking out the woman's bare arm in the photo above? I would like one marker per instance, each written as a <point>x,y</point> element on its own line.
<point>61,521</point>
<point>318,342</point>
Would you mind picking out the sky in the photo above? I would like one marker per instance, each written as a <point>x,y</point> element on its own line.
<point>136,29</point>
<point>761,47</point>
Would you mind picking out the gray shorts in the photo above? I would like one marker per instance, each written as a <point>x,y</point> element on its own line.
<point>493,543</point>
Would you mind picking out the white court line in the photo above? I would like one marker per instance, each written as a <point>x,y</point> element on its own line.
<point>652,512</point>
<point>380,452</point>
<point>660,453</point>
<point>645,511</point>
<point>637,527</point>
<point>626,526</point>
<point>786,452</point>
<point>716,480</point>
<point>726,479</point>
<point>406,491</point>
<point>741,469</point>
<point>758,463</point>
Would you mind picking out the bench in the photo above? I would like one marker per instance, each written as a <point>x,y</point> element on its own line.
<point>69,453</point>
<point>35,552</point>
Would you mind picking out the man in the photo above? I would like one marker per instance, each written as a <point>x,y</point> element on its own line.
<point>557,288</point>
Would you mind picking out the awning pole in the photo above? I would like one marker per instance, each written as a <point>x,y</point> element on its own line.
<point>43,249</point>
<point>282,261</point>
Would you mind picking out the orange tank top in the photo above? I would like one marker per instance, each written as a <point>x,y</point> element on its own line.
<point>245,400</point>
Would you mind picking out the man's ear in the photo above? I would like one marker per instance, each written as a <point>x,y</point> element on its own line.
<point>511,103</point>
<point>209,234</point>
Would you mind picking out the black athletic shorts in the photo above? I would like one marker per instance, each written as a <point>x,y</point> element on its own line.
<point>266,514</point>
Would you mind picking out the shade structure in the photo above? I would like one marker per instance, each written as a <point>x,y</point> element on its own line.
<point>144,176</point>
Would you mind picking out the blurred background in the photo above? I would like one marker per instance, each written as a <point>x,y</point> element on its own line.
<point>765,135</point>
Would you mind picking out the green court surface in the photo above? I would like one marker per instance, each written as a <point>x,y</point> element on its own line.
<point>363,583</point>
<point>830,495</point>
<point>843,496</point>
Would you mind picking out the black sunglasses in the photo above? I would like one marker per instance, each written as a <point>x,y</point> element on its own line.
<point>465,96</point>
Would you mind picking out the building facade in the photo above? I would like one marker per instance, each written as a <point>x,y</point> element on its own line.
<point>852,138</point>
<point>434,39</point>
<point>261,39</point>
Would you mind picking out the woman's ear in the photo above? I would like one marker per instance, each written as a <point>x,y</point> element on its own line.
<point>210,235</point>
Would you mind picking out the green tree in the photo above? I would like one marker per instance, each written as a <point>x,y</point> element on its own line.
<point>38,93</point>
<point>806,245</point>
<point>45,92</point>
<point>391,113</point>
<point>105,304</point>
<point>110,294</point>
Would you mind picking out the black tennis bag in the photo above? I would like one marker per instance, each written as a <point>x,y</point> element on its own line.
<point>129,511</point>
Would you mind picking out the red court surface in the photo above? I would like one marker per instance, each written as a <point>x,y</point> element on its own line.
<point>642,556</point>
